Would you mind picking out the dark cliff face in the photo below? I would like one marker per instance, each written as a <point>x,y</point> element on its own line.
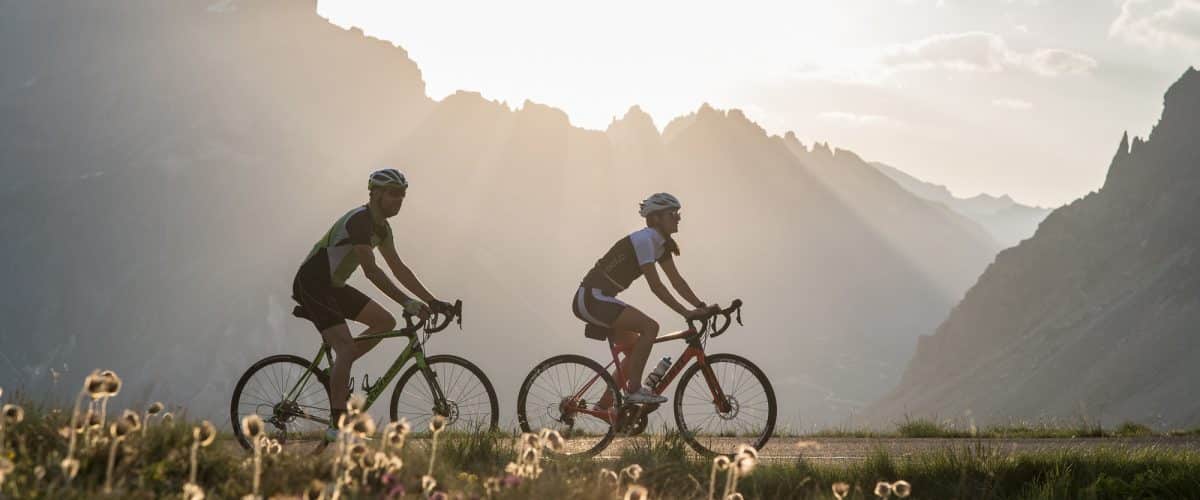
<point>173,165</point>
<point>1095,315</point>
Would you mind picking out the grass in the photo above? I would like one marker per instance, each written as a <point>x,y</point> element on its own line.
<point>155,465</point>
<point>929,428</point>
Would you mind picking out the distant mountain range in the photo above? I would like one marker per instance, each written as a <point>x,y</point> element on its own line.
<point>1006,220</point>
<point>1096,315</point>
<point>168,165</point>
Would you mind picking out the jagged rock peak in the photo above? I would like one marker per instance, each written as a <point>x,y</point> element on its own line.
<point>790,137</point>
<point>635,118</point>
<point>822,148</point>
<point>544,112</point>
<point>846,154</point>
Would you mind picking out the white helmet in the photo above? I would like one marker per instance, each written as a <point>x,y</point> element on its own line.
<point>657,202</point>
<point>388,177</point>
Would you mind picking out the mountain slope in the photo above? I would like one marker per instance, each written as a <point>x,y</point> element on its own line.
<point>1096,314</point>
<point>1008,222</point>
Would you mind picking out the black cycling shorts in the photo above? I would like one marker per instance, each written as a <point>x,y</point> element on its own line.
<point>327,305</point>
<point>595,307</point>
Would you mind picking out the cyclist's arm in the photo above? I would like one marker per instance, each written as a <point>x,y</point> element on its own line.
<point>403,273</point>
<point>366,259</point>
<point>677,281</point>
<point>660,290</point>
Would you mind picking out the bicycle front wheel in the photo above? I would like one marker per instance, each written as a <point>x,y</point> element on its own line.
<point>574,396</point>
<point>296,414</point>
<point>468,400</point>
<point>744,415</point>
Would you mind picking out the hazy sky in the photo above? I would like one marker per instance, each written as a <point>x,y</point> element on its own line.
<point>1024,97</point>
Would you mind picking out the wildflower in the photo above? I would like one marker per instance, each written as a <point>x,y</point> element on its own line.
<point>64,431</point>
<point>553,440</point>
<point>633,471</point>
<point>192,491</point>
<point>93,421</point>
<point>111,383</point>
<point>512,468</point>
<point>735,496</point>
<point>132,419</point>
<point>883,489</point>
<point>95,385</point>
<point>39,472</point>
<point>118,430</point>
<point>13,414</point>
<point>530,440</point>
<point>357,451</point>
<point>70,467</point>
<point>205,433</point>
<point>530,456</point>
<point>252,427</point>
<point>609,476</point>
<point>394,464</point>
<point>437,424</point>
<point>273,447</point>
<point>167,418</point>
<point>6,467</point>
<point>636,492</point>
<point>901,488</point>
<point>155,408</point>
<point>840,490</point>
<point>428,483</point>
<point>356,404</point>
<point>745,464</point>
<point>362,425</point>
<point>745,449</point>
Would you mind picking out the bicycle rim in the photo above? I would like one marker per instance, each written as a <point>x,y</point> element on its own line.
<point>747,417</point>
<point>297,423</point>
<point>556,395</point>
<point>469,403</point>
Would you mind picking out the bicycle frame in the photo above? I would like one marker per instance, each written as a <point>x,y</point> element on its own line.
<point>694,350</point>
<point>413,350</point>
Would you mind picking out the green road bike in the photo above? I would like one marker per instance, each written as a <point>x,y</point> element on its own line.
<point>291,393</point>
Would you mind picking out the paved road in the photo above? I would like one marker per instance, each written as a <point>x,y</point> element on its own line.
<point>857,449</point>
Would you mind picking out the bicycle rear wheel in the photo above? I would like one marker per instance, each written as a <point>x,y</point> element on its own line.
<point>574,396</point>
<point>469,401</point>
<point>746,417</point>
<point>297,422</point>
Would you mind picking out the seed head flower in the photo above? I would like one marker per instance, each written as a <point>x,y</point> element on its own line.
<point>394,464</point>
<point>529,456</point>
<point>39,472</point>
<point>155,408</point>
<point>530,440</point>
<point>168,418</point>
<point>362,425</point>
<point>633,471</point>
<point>745,449</point>
<point>118,430</point>
<point>636,492</point>
<point>609,476</point>
<point>132,419</point>
<point>735,496</point>
<point>111,383</point>
<point>13,414</point>
<point>437,424</point>
<point>70,467</point>
<point>93,421</point>
<point>428,483</point>
<point>94,385</point>
<point>840,490</point>
<point>745,464</point>
<point>357,451</point>
<point>6,466</point>
<point>721,462</point>
<point>901,488</point>
<point>192,491</point>
<point>65,431</point>
<point>883,489</point>
<point>205,433</point>
<point>273,447</point>
<point>554,440</point>
<point>492,485</point>
<point>355,404</point>
<point>252,426</point>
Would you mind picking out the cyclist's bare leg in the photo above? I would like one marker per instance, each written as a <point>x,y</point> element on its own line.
<point>632,320</point>
<point>378,320</point>
<point>338,338</point>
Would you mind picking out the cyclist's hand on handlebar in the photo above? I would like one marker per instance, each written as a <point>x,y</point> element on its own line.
<point>441,306</point>
<point>414,307</point>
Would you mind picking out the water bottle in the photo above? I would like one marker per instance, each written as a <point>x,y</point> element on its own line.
<point>660,370</point>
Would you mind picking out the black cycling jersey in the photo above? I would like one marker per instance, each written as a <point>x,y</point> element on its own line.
<point>622,264</point>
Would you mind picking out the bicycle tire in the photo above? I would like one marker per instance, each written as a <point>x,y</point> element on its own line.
<point>420,423</point>
<point>529,419</point>
<point>293,440</point>
<point>726,444</point>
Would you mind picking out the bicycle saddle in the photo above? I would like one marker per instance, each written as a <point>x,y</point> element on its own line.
<point>299,312</point>
<point>596,332</point>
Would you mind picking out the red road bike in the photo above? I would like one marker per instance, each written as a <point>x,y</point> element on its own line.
<point>722,400</point>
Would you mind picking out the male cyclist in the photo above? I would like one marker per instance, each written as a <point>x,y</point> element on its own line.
<point>320,285</point>
<point>631,257</point>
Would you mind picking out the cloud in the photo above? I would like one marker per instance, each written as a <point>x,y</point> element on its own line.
<point>859,120</point>
<point>1054,62</point>
<point>1158,23</point>
<point>1014,104</point>
<point>983,52</point>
